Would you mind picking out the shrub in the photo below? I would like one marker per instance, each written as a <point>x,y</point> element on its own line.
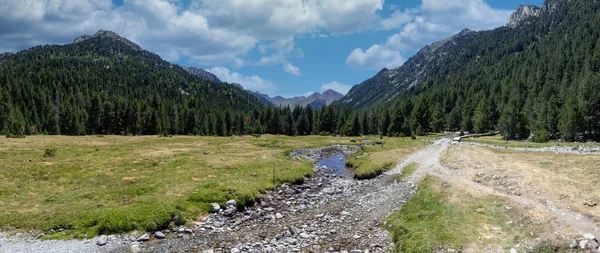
<point>15,130</point>
<point>50,152</point>
<point>541,136</point>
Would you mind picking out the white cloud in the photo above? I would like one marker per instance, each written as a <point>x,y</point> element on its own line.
<point>275,19</point>
<point>432,21</point>
<point>339,87</point>
<point>291,69</point>
<point>253,83</point>
<point>375,58</point>
<point>398,19</point>
<point>207,32</point>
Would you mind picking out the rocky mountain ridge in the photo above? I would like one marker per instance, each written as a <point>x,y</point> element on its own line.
<point>315,100</point>
<point>523,14</point>
<point>203,74</point>
<point>109,35</point>
<point>435,61</point>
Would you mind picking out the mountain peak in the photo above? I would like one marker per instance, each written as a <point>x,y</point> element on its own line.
<point>203,74</point>
<point>522,14</point>
<point>110,35</point>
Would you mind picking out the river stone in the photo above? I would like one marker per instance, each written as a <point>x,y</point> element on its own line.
<point>144,237</point>
<point>102,240</point>
<point>159,235</point>
<point>231,203</point>
<point>513,250</point>
<point>583,243</point>
<point>235,250</point>
<point>304,235</point>
<point>589,236</point>
<point>278,216</point>
<point>215,207</point>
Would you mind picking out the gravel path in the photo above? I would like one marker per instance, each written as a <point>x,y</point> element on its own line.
<point>575,150</point>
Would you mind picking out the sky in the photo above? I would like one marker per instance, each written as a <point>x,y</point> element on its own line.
<point>277,47</point>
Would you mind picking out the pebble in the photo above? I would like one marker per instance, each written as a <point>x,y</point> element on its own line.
<point>159,235</point>
<point>278,216</point>
<point>215,207</point>
<point>102,240</point>
<point>144,237</point>
<point>513,250</point>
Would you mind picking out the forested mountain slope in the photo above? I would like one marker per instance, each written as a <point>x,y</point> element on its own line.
<point>107,84</point>
<point>540,75</point>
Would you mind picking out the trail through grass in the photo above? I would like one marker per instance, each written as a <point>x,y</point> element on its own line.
<point>382,155</point>
<point>442,216</point>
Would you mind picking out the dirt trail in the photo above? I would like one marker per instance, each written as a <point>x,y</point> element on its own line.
<point>429,160</point>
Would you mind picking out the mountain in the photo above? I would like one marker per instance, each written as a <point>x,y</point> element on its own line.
<point>106,84</point>
<point>535,77</point>
<point>203,74</point>
<point>388,84</point>
<point>315,100</point>
<point>522,15</point>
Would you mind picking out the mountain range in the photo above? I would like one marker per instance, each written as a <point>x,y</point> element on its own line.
<point>315,100</point>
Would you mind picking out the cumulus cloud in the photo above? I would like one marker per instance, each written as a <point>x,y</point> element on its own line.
<point>374,58</point>
<point>432,21</point>
<point>339,87</point>
<point>398,19</point>
<point>275,19</point>
<point>291,69</point>
<point>205,32</point>
<point>254,82</point>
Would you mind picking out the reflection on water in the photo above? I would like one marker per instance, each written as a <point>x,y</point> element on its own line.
<point>335,163</point>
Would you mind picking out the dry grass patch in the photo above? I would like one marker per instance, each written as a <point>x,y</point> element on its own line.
<point>565,180</point>
<point>446,215</point>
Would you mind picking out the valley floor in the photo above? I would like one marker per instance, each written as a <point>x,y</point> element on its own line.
<point>451,196</point>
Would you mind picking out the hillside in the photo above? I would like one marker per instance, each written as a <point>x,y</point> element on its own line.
<point>104,84</point>
<point>536,75</point>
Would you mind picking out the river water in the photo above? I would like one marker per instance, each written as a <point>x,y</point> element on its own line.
<point>334,163</point>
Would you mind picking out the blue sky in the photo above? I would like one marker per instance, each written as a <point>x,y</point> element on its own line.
<point>278,47</point>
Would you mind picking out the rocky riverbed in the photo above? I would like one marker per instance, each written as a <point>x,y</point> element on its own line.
<point>325,214</point>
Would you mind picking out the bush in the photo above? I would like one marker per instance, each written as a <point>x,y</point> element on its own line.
<point>541,136</point>
<point>50,152</point>
<point>324,133</point>
<point>256,135</point>
<point>15,130</point>
<point>413,136</point>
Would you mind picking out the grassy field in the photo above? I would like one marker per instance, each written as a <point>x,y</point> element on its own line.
<point>442,216</point>
<point>378,158</point>
<point>498,141</point>
<point>112,184</point>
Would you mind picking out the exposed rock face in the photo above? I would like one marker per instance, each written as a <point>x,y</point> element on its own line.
<point>523,14</point>
<point>389,83</point>
<point>108,35</point>
<point>203,74</point>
